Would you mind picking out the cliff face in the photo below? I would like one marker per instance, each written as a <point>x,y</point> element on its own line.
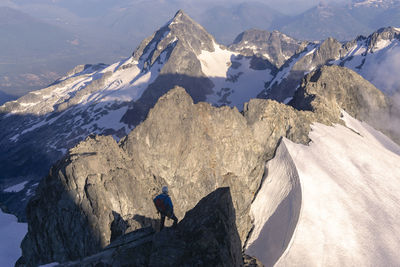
<point>207,236</point>
<point>331,88</point>
<point>192,148</point>
<point>276,47</point>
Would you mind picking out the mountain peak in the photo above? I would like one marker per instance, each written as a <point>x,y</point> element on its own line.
<point>179,14</point>
<point>181,28</point>
<point>181,17</point>
<point>375,3</point>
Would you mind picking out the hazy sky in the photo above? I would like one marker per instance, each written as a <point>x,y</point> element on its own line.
<point>284,6</point>
<point>295,6</point>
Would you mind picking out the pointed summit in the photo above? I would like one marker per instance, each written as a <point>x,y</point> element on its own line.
<point>173,51</point>
<point>180,29</point>
<point>179,14</point>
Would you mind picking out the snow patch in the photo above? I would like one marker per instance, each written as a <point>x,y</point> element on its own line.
<point>217,63</point>
<point>311,52</point>
<point>235,82</point>
<point>53,264</point>
<point>14,138</point>
<point>287,100</point>
<point>12,232</point>
<point>112,119</point>
<point>16,188</point>
<point>383,43</point>
<point>284,73</point>
<point>266,55</point>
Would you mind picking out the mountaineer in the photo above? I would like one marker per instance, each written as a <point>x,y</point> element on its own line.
<point>164,206</point>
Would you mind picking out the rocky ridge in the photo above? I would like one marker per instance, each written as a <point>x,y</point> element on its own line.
<point>374,3</point>
<point>274,46</point>
<point>333,86</point>
<point>193,148</point>
<point>207,236</point>
<point>358,55</point>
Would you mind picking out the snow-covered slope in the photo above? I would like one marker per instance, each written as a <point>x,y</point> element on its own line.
<point>236,78</point>
<point>348,210</point>
<point>374,3</point>
<point>375,57</point>
<point>12,233</point>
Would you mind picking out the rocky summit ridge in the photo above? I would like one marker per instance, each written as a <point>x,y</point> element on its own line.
<point>192,148</point>
<point>206,236</point>
<point>275,46</point>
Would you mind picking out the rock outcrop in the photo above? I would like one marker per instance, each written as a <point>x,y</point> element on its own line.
<point>207,236</point>
<point>274,46</point>
<point>332,88</point>
<point>311,58</point>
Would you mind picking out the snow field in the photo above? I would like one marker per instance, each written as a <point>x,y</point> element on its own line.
<point>275,209</point>
<point>240,83</point>
<point>16,188</point>
<point>11,233</point>
<point>350,188</point>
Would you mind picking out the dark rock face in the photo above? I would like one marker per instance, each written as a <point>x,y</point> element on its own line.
<point>207,236</point>
<point>274,46</point>
<point>177,45</point>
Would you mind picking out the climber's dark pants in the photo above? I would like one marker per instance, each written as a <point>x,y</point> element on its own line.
<point>171,216</point>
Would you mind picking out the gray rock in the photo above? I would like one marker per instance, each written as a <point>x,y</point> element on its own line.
<point>177,44</point>
<point>332,88</point>
<point>31,143</point>
<point>250,261</point>
<point>388,33</point>
<point>207,236</point>
<point>273,46</point>
<point>327,51</point>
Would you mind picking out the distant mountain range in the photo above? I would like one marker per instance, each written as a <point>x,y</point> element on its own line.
<point>107,32</point>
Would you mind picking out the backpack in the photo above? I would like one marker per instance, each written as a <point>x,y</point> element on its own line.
<point>162,205</point>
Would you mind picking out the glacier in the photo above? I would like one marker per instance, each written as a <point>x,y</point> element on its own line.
<point>348,205</point>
